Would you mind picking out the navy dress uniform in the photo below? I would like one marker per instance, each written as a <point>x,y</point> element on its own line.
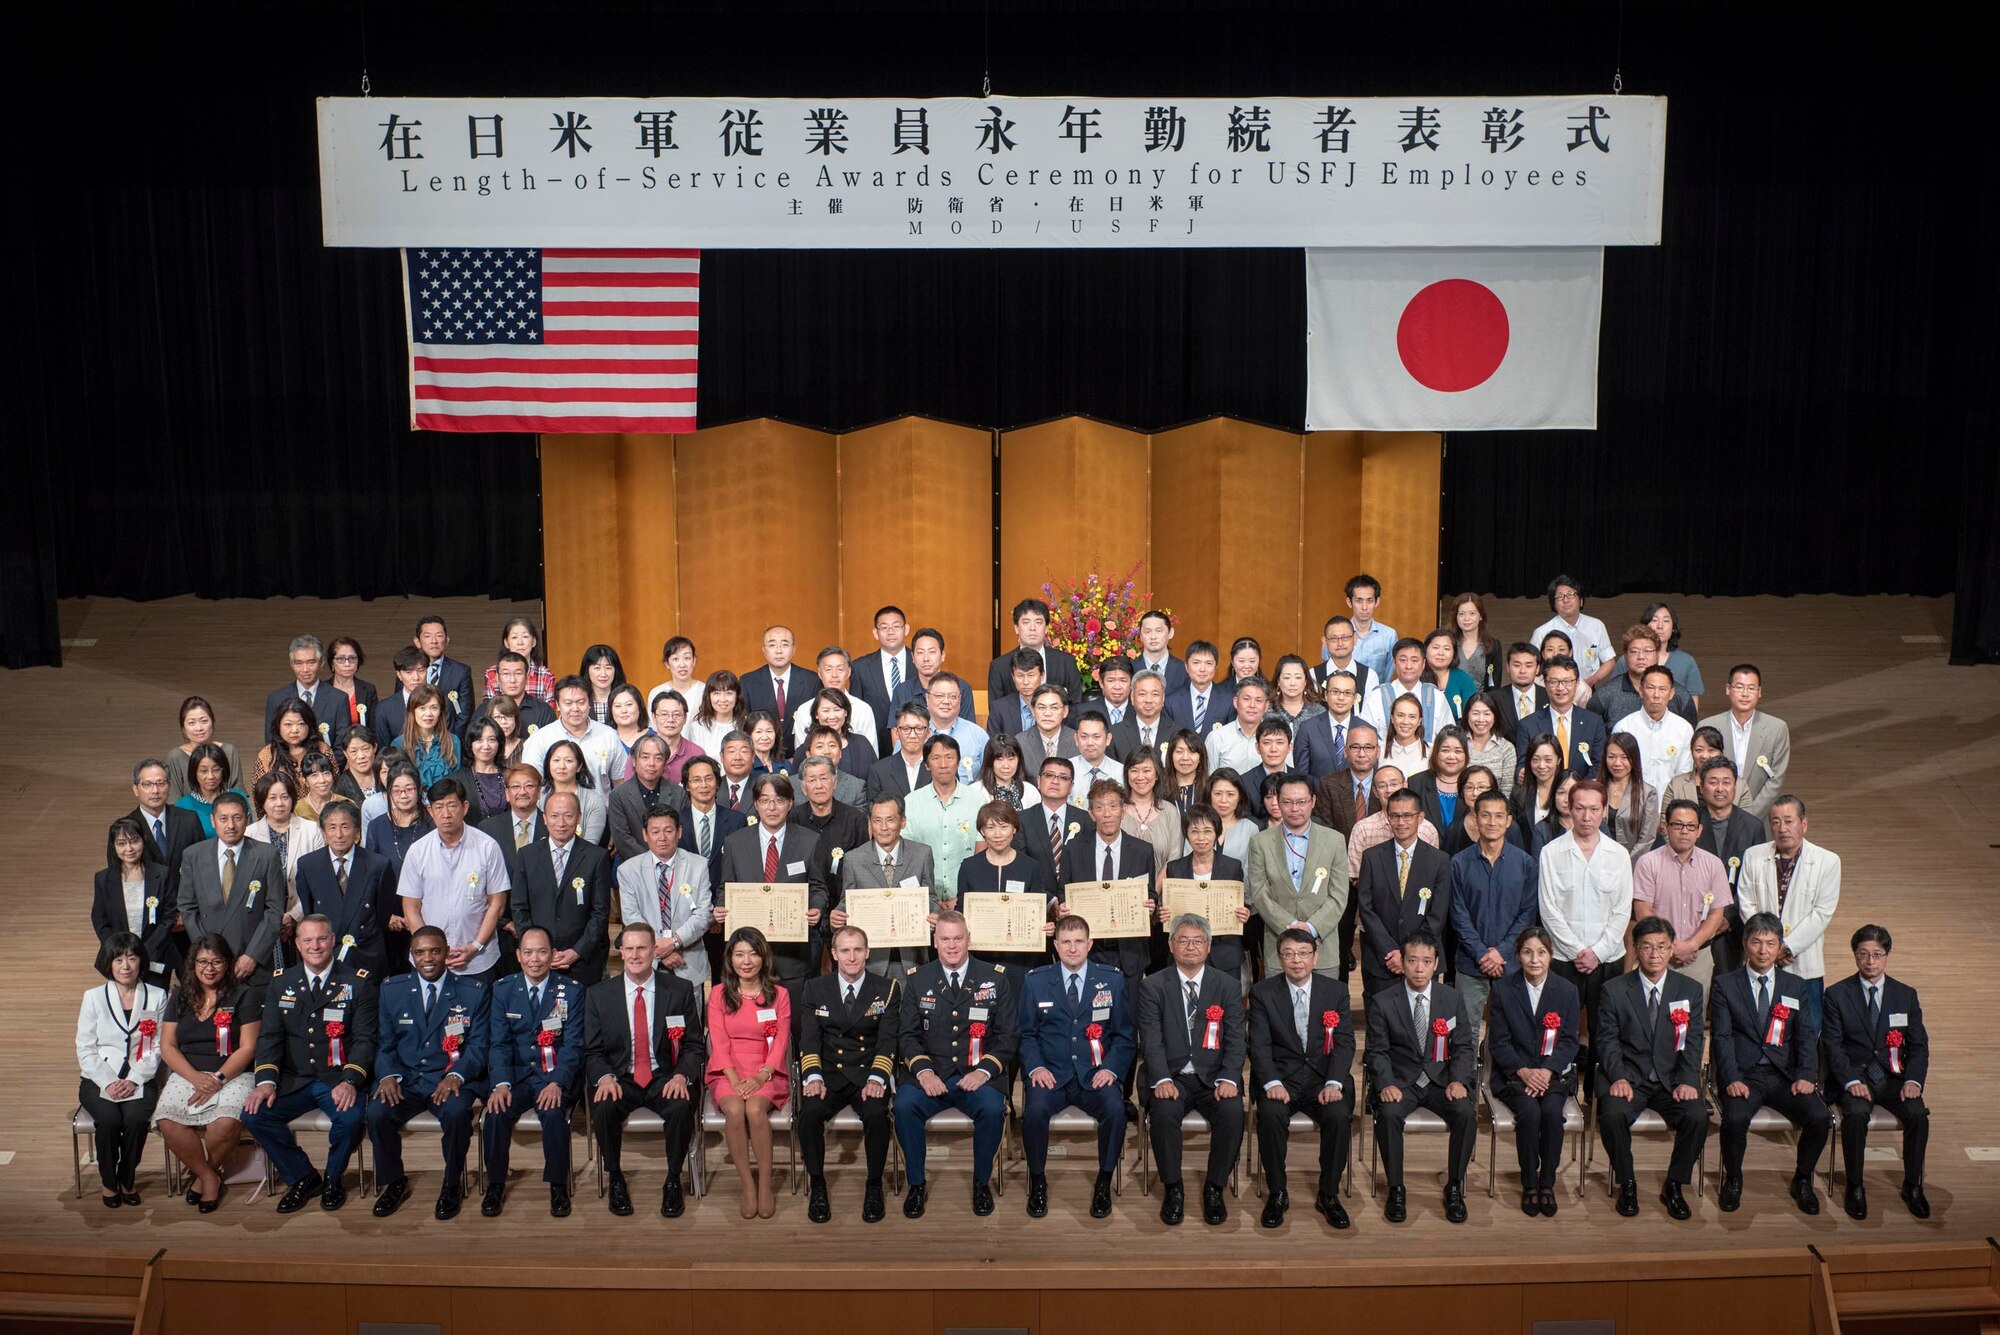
<point>520,1013</point>
<point>1748,1013</point>
<point>846,1045</point>
<point>934,1032</point>
<point>302,1054</point>
<point>1059,1009</point>
<point>429,1030</point>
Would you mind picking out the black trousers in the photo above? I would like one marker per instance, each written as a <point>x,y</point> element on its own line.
<point>814,1112</point>
<point>1538,1135</point>
<point>1689,1122</point>
<point>608,1120</point>
<point>121,1131</point>
<point>1459,1119</point>
<point>1769,1088</point>
<point>1335,1122</point>
<point>1225,1130</point>
<point>1912,1113</point>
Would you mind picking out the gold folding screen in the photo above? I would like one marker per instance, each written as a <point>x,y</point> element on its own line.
<point>1247,530</point>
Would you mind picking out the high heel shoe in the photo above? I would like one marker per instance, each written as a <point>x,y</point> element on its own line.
<point>208,1206</point>
<point>749,1201</point>
<point>767,1199</point>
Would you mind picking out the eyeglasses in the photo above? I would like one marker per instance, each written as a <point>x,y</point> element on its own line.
<point>347,658</point>
<point>1683,825</point>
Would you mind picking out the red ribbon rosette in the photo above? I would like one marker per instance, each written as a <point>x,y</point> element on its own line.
<point>225,1021</point>
<point>545,1043</point>
<point>336,1050</point>
<point>977,1030</point>
<point>1095,1033</point>
<point>452,1044</point>
<point>1893,1040</point>
<point>1212,1039</point>
<point>1329,1021</point>
<point>1440,1030</point>
<point>770,1036</point>
<point>1780,1013</point>
<point>147,1028</point>
<point>1551,1025</point>
<point>674,1033</point>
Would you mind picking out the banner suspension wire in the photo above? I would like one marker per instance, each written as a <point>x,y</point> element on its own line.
<point>362,8</point>
<point>1618,54</point>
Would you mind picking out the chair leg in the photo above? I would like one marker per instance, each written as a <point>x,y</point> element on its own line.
<point>1145,1154</point>
<point>1492,1160</point>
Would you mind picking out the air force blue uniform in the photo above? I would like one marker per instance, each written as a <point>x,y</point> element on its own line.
<point>514,1059</point>
<point>1055,1037</point>
<point>411,1048</point>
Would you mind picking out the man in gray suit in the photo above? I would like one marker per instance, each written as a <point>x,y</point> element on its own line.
<point>885,861</point>
<point>667,888</point>
<point>1050,736</point>
<point>235,887</point>
<point>1297,876</point>
<point>1760,745</point>
<point>647,791</point>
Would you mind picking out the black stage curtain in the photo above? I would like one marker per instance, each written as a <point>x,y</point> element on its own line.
<point>221,391</point>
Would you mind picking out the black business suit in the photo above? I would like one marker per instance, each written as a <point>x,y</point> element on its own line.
<point>574,919</point>
<point>1858,1051</point>
<point>1127,741</point>
<point>889,776</point>
<point>869,682</point>
<point>183,830</point>
<point>362,913</point>
<point>1507,709</point>
<point>1740,1052</point>
<point>607,1050</point>
<point>156,917</point>
<point>1035,840</point>
<point>1400,1057</point>
<point>1626,1045</point>
<point>847,1048</point>
<point>760,691</point>
<point>1304,1068</point>
<point>1220,707</point>
<point>1316,752</point>
<point>329,706</point>
<point>453,678</point>
<point>1173,671</point>
<point>1515,1034</point>
<point>1083,863</point>
<point>500,828</point>
<point>1387,917</point>
<point>388,720</point>
<point>803,858</point>
<point>1058,670</point>
<point>1171,1038</point>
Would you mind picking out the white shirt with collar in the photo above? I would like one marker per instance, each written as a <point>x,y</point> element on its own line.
<point>885,856</point>
<point>1098,847</point>
<point>1088,773</point>
<point>1181,981</point>
<point>1652,991</point>
<point>1665,745</point>
<point>222,852</point>
<point>1535,995</point>
<point>1739,740</point>
<point>1769,980</point>
<point>767,837</point>
<point>651,994</point>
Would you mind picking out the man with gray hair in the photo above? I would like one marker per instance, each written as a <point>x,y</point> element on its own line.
<point>328,703</point>
<point>1191,1041</point>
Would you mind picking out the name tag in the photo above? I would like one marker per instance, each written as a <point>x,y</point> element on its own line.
<point>1897,1019</point>
<point>404,1019</point>
<point>1017,887</point>
<point>910,882</point>
<point>767,1014</point>
<point>795,869</point>
<point>455,1025</point>
<point>1046,1005</point>
<point>334,1013</point>
<point>822,1012</point>
<point>976,1013</point>
<point>677,1022</point>
<point>1792,1003</point>
<point>553,1024</point>
<point>1451,1023</point>
<point>513,1015</point>
<point>1101,1014</point>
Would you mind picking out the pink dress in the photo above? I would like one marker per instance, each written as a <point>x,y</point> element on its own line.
<point>755,1035</point>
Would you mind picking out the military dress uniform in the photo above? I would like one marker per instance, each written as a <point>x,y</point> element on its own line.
<point>422,1042</point>
<point>1056,1024</point>
<point>296,1054</point>
<point>846,1046</point>
<point>516,1017</point>
<point>935,1034</point>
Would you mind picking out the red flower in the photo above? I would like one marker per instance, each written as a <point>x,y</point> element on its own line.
<point>544,1038</point>
<point>978,1029</point>
<point>770,1029</point>
<point>452,1042</point>
<point>1329,1020</point>
<point>1552,1021</point>
<point>675,1033</point>
<point>335,1029</point>
<point>149,1027</point>
<point>1781,1011</point>
<point>1440,1027</point>
<point>1093,625</point>
<point>1894,1038</point>
<point>1094,1031</point>
<point>1214,1012</point>
<point>223,1019</point>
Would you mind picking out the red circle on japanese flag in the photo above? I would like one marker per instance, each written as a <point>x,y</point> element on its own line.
<point>1453,335</point>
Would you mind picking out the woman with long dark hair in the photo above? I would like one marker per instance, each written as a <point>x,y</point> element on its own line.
<point>749,1046</point>
<point>208,1038</point>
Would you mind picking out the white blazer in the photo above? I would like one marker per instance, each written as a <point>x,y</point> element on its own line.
<point>1808,907</point>
<point>106,1040</point>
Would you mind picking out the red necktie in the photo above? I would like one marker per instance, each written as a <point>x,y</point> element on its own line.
<point>779,682</point>
<point>771,861</point>
<point>642,1042</point>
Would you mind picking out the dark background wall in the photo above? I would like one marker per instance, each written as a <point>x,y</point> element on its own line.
<point>208,401</point>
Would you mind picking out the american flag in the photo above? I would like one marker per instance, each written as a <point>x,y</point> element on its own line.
<point>512,339</point>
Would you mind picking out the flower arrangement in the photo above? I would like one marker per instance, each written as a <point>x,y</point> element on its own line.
<point>1094,617</point>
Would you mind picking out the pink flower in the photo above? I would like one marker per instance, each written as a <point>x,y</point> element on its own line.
<point>1092,625</point>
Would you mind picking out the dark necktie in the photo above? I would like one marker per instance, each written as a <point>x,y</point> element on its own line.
<point>735,794</point>
<point>1075,991</point>
<point>779,682</point>
<point>952,977</point>
<point>431,674</point>
<point>1200,706</point>
<point>1339,739</point>
<point>895,676</point>
<point>847,996</point>
<point>666,889</point>
<point>535,1001</point>
<point>1874,1006</point>
<point>340,874</point>
<point>1110,872</point>
<point>430,996</point>
<point>1653,1008</point>
<point>1424,1024</point>
<point>1189,993</point>
<point>160,834</point>
<point>701,833</point>
<point>1764,994</point>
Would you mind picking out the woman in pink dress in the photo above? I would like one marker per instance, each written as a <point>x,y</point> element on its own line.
<point>749,1042</point>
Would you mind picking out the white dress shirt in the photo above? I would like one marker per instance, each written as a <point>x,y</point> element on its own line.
<point>1665,746</point>
<point>1586,901</point>
<point>1088,773</point>
<point>659,1060</point>
<point>453,885</point>
<point>1227,745</point>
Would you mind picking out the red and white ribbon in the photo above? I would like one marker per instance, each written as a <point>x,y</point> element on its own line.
<point>336,1048</point>
<point>1095,1033</point>
<point>225,1032</point>
<point>1328,1021</point>
<point>1679,1015</point>
<point>1551,1027</point>
<point>1775,1035</point>
<point>1212,1036</point>
<point>1894,1041</point>
<point>147,1028</point>
<point>545,1043</point>
<point>977,1031</point>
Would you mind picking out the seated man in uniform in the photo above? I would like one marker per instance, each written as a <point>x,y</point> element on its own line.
<point>1765,1055</point>
<point>958,1032</point>
<point>534,1060</point>
<point>1077,1044</point>
<point>314,1050</point>
<point>1879,1054</point>
<point>1302,1059</point>
<point>847,1053</point>
<point>432,1040</point>
<point>1191,1032</point>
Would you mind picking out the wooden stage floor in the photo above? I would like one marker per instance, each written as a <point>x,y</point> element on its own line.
<point>1893,750</point>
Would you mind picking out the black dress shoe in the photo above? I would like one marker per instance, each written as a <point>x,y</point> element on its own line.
<point>129,1195</point>
<point>1275,1206</point>
<point>1730,1198</point>
<point>333,1197</point>
<point>982,1198</point>
<point>209,1207</point>
<point>818,1208</point>
<point>1396,1209</point>
<point>913,1200</point>
<point>113,1201</point>
<point>305,1189</point>
<point>1173,1205</point>
<point>621,1195</point>
<point>1213,1210</point>
<point>490,1203</point>
<point>392,1197</point>
<point>1531,1202</point>
<point>1670,1196</point>
<point>1628,1198</point>
<point>1454,1202</point>
<point>450,1198</point>
<point>1548,1205</point>
<point>1100,1197</point>
<point>1330,1206</point>
<point>672,1203</point>
<point>871,1202</point>
<point>1913,1196</point>
<point>1855,1202</point>
<point>1804,1193</point>
<point>194,1195</point>
<point>1038,1197</point>
<point>558,1201</point>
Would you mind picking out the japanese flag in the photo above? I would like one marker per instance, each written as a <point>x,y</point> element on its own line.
<point>1452,340</point>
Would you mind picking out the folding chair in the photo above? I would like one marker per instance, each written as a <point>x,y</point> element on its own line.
<point>1193,1122</point>
<point>429,1128</point>
<point>1420,1122</point>
<point>1650,1124</point>
<point>781,1126</point>
<point>1077,1122</point>
<point>529,1124</point>
<point>1772,1124</point>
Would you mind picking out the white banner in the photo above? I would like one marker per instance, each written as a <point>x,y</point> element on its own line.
<point>1452,340</point>
<point>970,173</point>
